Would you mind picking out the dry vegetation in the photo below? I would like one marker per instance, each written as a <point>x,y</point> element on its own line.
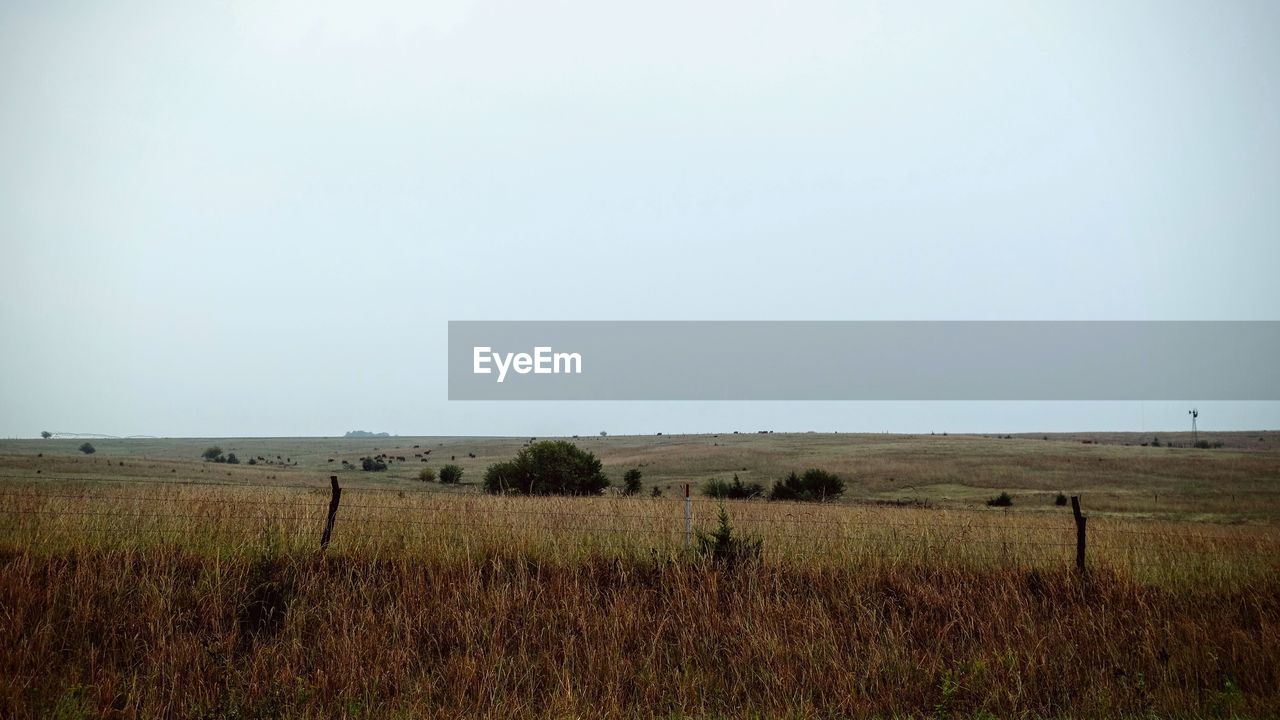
<point>146,590</point>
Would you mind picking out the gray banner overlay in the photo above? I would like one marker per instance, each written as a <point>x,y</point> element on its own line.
<point>856,360</point>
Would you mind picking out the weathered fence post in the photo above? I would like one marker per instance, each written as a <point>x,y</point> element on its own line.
<point>1080,536</point>
<point>333,512</point>
<point>688,518</point>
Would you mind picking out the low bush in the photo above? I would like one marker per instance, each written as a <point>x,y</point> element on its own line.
<point>88,449</point>
<point>1004,499</point>
<point>813,486</point>
<point>427,475</point>
<point>372,465</point>
<point>1059,501</point>
<point>450,474</point>
<point>631,481</point>
<point>736,490</point>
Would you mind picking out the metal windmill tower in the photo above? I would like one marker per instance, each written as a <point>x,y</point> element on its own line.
<point>1195,434</point>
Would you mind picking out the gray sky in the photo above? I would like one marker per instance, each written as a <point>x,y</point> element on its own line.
<point>247,218</point>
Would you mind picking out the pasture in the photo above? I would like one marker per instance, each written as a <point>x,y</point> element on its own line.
<point>142,581</point>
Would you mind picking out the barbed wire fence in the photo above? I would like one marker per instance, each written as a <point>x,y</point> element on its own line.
<point>126,510</point>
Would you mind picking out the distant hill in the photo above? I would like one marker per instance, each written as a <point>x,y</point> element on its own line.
<point>365,434</point>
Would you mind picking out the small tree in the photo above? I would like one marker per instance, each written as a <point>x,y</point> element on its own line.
<point>232,459</point>
<point>724,547</point>
<point>450,474</point>
<point>631,481</point>
<point>550,467</point>
<point>212,454</point>
<point>46,434</point>
<point>372,465</point>
<point>427,475</point>
<point>1004,499</point>
<point>87,449</point>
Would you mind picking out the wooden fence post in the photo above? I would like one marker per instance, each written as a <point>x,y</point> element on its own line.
<point>1080,531</point>
<point>688,518</point>
<point>333,511</point>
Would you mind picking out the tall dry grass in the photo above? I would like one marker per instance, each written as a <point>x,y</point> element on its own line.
<point>201,601</point>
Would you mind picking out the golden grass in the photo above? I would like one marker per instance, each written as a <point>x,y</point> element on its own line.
<point>127,591</point>
<point>146,600</point>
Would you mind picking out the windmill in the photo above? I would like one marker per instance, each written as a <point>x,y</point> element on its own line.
<point>1195,435</point>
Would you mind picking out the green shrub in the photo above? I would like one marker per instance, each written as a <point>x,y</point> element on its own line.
<point>451,474</point>
<point>549,467</point>
<point>736,490</point>
<point>813,486</point>
<point>231,459</point>
<point>1060,500</point>
<point>724,547</point>
<point>427,475</point>
<point>212,453</point>
<point>1004,499</point>
<point>631,481</point>
<point>372,465</point>
<point>88,449</point>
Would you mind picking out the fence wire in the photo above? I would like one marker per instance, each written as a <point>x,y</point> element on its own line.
<point>34,511</point>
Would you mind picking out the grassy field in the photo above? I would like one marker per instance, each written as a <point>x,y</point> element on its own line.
<point>1239,482</point>
<point>140,581</point>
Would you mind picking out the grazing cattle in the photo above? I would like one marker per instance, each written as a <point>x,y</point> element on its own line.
<point>471,455</point>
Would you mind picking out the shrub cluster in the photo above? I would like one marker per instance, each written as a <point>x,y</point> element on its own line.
<point>214,454</point>
<point>370,464</point>
<point>736,490</point>
<point>549,467</point>
<point>813,486</point>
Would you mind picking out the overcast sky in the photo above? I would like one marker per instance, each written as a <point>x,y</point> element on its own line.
<point>256,218</point>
